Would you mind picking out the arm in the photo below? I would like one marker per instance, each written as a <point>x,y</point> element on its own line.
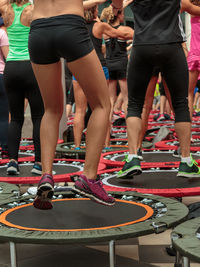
<point>90,3</point>
<point>126,3</point>
<point>117,5</point>
<point>124,32</point>
<point>5,50</point>
<point>187,6</point>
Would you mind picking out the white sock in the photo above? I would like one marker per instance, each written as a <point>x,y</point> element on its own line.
<point>188,160</point>
<point>131,156</point>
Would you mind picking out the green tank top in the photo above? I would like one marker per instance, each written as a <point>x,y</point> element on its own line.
<point>18,36</point>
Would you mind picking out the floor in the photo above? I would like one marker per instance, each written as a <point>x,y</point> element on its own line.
<point>145,251</point>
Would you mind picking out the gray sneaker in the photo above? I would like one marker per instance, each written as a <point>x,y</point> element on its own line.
<point>189,171</point>
<point>130,168</point>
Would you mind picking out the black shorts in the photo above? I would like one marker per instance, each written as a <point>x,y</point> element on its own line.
<point>117,74</point>
<point>162,89</point>
<point>63,36</point>
<point>198,86</point>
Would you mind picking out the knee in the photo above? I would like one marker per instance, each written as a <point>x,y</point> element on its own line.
<point>181,110</point>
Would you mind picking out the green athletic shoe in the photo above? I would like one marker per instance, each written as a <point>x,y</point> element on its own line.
<point>189,171</point>
<point>130,168</point>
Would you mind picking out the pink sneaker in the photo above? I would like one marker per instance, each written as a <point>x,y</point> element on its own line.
<point>44,193</point>
<point>94,190</point>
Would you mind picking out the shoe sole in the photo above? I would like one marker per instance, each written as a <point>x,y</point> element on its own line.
<point>176,155</point>
<point>91,196</point>
<point>130,173</point>
<point>37,172</point>
<point>43,197</point>
<point>191,175</point>
<point>12,171</point>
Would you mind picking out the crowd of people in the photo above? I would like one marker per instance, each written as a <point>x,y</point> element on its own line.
<point>95,48</point>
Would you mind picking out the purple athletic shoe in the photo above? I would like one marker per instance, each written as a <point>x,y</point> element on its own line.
<point>44,193</point>
<point>94,190</point>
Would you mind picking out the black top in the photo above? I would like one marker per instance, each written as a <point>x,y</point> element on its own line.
<point>97,43</point>
<point>157,22</point>
<point>115,48</point>
<point>116,53</point>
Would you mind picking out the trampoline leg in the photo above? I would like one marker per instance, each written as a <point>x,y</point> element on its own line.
<point>177,259</point>
<point>186,262</point>
<point>13,254</point>
<point>112,253</point>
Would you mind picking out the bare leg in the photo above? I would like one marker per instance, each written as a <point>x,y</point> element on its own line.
<point>49,80</point>
<point>118,103</point>
<point>112,93</point>
<point>183,130</point>
<point>147,108</point>
<point>81,105</point>
<point>89,73</point>
<point>124,92</point>
<point>162,103</point>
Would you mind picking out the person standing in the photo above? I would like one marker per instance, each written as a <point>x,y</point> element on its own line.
<point>59,30</point>
<point>20,82</point>
<point>158,39</point>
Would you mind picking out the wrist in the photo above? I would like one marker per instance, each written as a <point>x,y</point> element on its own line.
<point>116,7</point>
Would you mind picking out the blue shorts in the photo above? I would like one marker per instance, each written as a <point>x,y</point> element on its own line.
<point>106,73</point>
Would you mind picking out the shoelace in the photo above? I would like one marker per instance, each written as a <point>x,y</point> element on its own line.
<point>125,158</point>
<point>99,183</point>
<point>194,162</point>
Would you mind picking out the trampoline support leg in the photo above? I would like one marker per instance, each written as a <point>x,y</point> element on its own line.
<point>13,254</point>
<point>112,253</point>
<point>177,259</point>
<point>186,262</point>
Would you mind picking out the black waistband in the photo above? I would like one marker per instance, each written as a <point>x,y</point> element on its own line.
<point>57,20</point>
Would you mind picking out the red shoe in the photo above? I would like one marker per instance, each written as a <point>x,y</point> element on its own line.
<point>94,190</point>
<point>44,193</point>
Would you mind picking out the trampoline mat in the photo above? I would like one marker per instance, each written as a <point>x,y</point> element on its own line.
<point>120,135</point>
<point>156,157</point>
<point>76,214</point>
<point>25,155</point>
<point>25,169</point>
<point>154,180</point>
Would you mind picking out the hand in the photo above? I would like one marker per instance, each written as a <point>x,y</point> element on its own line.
<point>115,9</point>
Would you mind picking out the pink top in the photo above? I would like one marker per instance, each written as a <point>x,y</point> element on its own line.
<point>3,42</point>
<point>195,36</point>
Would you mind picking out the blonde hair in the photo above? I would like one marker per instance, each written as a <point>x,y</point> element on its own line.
<point>89,13</point>
<point>108,15</point>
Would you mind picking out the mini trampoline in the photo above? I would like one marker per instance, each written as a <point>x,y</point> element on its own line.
<point>79,220</point>
<point>68,149</point>
<point>186,241</point>
<point>27,144</point>
<point>63,169</point>
<point>151,159</point>
<point>22,155</point>
<point>173,145</point>
<point>158,182</point>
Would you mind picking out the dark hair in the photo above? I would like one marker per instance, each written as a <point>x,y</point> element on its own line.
<point>19,1</point>
<point>195,2</point>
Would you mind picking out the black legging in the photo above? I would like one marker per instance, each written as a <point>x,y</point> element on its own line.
<point>171,60</point>
<point>3,115</point>
<point>20,83</point>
